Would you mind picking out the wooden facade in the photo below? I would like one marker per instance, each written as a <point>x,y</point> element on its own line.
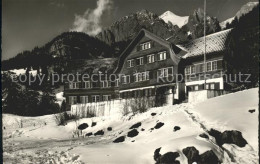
<point>148,67</point>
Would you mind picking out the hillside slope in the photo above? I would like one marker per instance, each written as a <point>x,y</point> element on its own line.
<point>171,128</point>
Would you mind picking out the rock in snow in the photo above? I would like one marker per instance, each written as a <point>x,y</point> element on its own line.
<point>132,133</point>
<point>119,139</point>
<point>136,125</point>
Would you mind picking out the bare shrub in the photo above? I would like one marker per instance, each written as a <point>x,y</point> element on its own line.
<point>126,106</point>
<point>63,117</point>
<point>140,104</point>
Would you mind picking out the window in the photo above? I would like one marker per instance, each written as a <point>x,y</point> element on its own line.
<point>94,84</point>
<point>150,58</point>
<point>72,100</point>
<point>196,87</point>
<point>192,69</point>
<point>201,68</point>
<point>209,66</point>
<point>162,55</point>
<point>126,79</point>
<point>74,85</point>
<point>87,84</point>
<point>105,84</point>
<point>140,61</point>
<point>95,98</point>
<point>117,82</point>
<point>187,70</point>
<point>142,76</point>
<point>145,46</point>
<point>164,72</point>
<point>207,86</point>
<point>139,78</point>
<point>212,86</point>
<point>214,65</point>
<point>130,63</point>
<point>83,99</point>
<point>106,97</point>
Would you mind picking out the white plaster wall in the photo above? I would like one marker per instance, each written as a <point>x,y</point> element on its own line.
<point>216,80</point>
<point>198,96</point>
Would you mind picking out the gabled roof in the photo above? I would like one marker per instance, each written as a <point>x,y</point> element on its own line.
<point>134,42</point>
<point>214,43</point>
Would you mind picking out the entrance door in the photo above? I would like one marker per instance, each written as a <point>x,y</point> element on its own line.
<point>160,96</point>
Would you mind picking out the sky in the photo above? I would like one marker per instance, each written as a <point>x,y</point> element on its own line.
<point>30,23</point>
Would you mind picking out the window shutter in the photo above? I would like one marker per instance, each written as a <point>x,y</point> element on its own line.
<point>67,85</point>
<point>217,86</point>
<point>138,47</point>
<point>80,85</point>
<point>201,87</point>
<point>151,74</point>
<point>219,64</point>
<point>78,99</point>
<point>152,44</point>
<point>145,59</point>
<point>197,67</point>
<point>170,71</point>
<point>132,78</point>
<point>167,54</point>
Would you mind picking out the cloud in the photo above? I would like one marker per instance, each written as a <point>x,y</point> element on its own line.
<point>90,21</point>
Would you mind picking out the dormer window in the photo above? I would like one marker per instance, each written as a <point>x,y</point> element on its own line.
<point>140,61</point>
<point>130,63</point>
<point>145,45</point>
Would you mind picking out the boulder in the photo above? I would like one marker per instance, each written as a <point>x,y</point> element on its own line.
<point>176,128</point>
<point>233,137</point>
<point>204,135</point>
<point>136,125</point>
<point>158,125</point>
<point>169,158</point>
<point>100,132</point>
<point>93,124</point>
<point>229,137</point>
<point>119,139</point>
<point>83,126</point>
<point>251,110</point>
<point>192,154</point>
<point>132,133</point>
<point>209,157</point>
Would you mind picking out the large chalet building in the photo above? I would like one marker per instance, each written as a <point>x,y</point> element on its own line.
<point>150,66</point>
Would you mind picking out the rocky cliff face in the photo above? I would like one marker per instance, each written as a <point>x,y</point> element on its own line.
<point>245,9</point>
<point>127,27</point>
<point>195,24</point>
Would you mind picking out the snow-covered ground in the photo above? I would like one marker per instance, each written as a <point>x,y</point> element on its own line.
<point>40,140</point>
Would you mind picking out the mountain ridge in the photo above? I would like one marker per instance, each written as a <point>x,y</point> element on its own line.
<point>169,16</point>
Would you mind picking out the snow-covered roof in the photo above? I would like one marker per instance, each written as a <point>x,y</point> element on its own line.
<point>214,43</point>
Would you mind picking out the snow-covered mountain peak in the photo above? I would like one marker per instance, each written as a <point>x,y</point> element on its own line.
<point>169,16</point>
